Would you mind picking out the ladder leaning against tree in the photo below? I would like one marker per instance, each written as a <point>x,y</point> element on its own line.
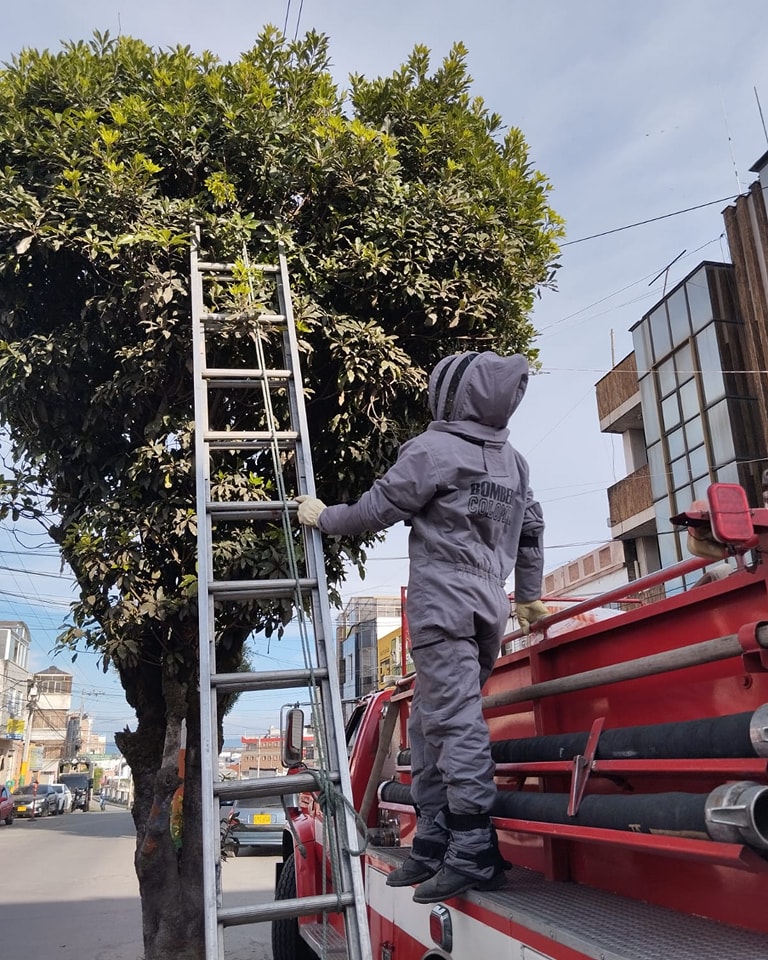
<point>247,374</point>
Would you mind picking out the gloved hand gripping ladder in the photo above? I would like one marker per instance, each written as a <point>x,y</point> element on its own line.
<point>322,679</point>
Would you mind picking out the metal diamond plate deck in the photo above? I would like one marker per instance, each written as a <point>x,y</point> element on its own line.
<point>608,927</point>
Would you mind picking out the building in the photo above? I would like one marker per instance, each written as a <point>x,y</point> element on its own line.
<point>691,400</point>
<point>364,621</point>
<point>14,676</point>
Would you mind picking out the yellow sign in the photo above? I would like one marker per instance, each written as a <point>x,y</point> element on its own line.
<point>14,729</point>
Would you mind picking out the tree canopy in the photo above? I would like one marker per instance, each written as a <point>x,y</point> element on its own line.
<point>415,226</point>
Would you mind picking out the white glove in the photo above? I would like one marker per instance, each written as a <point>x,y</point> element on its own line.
<point>530,612</point>
<point>310,509</point>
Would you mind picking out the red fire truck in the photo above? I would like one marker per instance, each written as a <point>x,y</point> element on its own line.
<point>632,770</point>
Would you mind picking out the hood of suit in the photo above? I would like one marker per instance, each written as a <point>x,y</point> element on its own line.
<point>482,387</point>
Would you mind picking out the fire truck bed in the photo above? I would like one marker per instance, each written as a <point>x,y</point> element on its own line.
<point>603,925</point>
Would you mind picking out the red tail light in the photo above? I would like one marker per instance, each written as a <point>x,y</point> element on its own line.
<point>440,927</point>
<point>729,513</point>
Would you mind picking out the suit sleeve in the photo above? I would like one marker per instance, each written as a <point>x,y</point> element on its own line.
<point>410,483</point>
<point>529,568</point>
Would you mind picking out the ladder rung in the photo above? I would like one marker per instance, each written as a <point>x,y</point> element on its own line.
<point>305,782</point>
<point>250,510</point>
<point>324,940</point>
<point>253,589</point>
<point>226,316</point>
<point>267,679</point>
<point>208,266</point>
<point>219,377</point>
<point>250,436</point>
<point>285,909</point>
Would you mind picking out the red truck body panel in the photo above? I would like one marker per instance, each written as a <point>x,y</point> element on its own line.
<point>598,870</point>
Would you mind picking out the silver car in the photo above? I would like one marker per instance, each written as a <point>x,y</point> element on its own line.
<point>63,798</point>
<point>259,825</point>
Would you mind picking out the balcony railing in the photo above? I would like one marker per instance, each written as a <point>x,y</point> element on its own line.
<point>631,496</point>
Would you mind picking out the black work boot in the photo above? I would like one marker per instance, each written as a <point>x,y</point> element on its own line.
<point>472,861</point>
<point>429,848</point>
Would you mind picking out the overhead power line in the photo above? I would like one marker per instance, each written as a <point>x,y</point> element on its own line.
<point>641,223</point>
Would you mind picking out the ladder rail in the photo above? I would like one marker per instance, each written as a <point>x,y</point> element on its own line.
<point>333,717</point>
<point>214,937</point>
<point>322,679</point>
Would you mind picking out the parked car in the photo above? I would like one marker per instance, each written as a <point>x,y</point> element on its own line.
<point>63,798</point>
<point>34,800</point>
<point>6,806</point>
<point>259,824</point>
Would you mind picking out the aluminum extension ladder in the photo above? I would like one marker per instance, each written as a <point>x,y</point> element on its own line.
<point>273,333</point>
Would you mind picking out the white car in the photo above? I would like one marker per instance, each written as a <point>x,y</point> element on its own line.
<point>63,797</point>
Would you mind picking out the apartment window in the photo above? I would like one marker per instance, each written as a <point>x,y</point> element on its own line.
<point>662,343</point>
<point>720,433</point>
<point>699,462</point>
<point>676,443</point>
<point>680,472</point>
<point>710,364</point>
<point>657,465</point>
<point>694,432</point>
<point>670,412</point>
<point>684,365</point>
<point>650,410</point>
<point>697,290</point>
<point>667,377</point>
<point>641,339</point>
<point>677,309</point>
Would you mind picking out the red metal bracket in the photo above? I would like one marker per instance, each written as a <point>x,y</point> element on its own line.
<point>754,655</point>
<point>582,767</point>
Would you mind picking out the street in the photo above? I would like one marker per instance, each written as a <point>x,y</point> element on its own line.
<point>69,890</point>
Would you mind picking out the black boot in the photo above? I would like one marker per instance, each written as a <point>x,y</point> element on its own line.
<point>472,861</point>
<point>429,848</point>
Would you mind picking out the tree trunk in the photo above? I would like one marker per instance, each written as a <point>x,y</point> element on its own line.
<point>170,876</point>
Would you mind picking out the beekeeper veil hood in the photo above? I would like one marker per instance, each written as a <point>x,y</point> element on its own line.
<point>482,387</point>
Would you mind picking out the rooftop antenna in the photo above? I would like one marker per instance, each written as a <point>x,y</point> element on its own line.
<point>665,272</point>
<point>760,111</point>
<point>730,146</point>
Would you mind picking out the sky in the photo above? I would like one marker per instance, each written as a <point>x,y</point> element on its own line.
<point>635,112</point>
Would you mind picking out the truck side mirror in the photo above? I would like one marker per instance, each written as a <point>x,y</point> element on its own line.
<point>293,737</point>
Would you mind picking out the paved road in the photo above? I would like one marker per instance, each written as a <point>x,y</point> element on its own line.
<point>68,891</point>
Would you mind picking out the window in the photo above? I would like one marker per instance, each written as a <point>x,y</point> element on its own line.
<point>699,462</point>
<point>641,340</point>
<point>694,432</point>
<point>667,378</point>
<point>650,410</point>
<point>720,433</point>
<point>658,469</point>
<point>699,301</point>
<point>670,412</point>
<point>676,443</point>
<point>662,344</point>
<point>677,309</point>
<point>689,400</point>
<point>684,363</point>
<point>680,473</point>
<point>709,363</point>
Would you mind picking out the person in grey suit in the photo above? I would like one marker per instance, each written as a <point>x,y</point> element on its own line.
<point>464,491</point>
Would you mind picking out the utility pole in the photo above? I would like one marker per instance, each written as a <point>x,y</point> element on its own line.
<point>32,698</point>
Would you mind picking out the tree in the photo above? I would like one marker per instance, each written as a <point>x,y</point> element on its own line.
<point>415,226</point>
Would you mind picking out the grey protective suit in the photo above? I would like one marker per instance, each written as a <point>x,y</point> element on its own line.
<point>463,489</point>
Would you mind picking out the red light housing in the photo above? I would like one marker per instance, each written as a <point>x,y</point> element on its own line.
<point>729,513</point>
<point>441,928</point>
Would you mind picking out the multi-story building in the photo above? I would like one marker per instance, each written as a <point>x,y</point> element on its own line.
<point>691,400</point>
<point>14,677</point>
<point>363,622</point>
